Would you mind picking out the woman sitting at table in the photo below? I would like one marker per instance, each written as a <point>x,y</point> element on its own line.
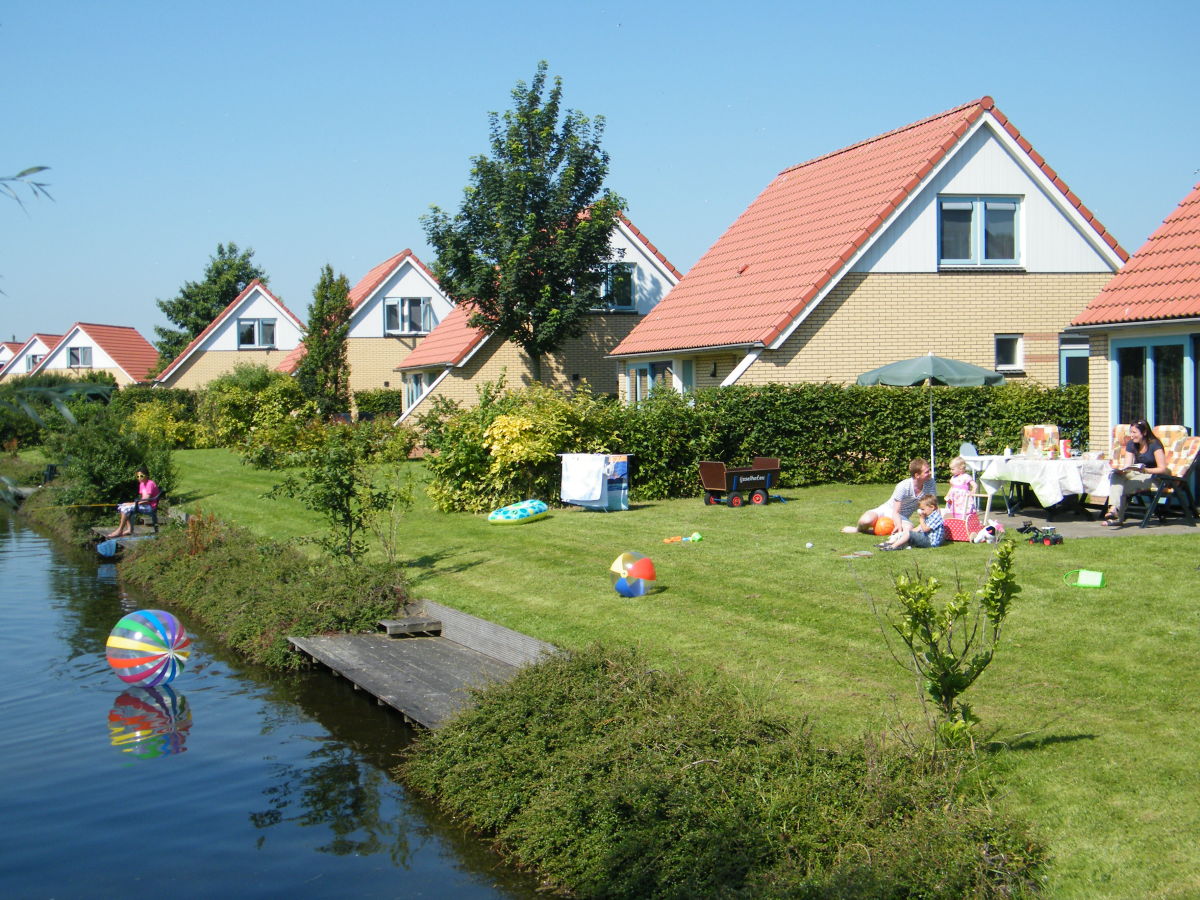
<point>1144,458</point>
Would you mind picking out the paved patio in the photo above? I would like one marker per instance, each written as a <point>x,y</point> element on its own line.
<point>1075,525</point>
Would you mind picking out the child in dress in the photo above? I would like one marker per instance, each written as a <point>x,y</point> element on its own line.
<point>960,499</point>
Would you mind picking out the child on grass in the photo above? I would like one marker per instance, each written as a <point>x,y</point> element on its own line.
<point>929,533</point>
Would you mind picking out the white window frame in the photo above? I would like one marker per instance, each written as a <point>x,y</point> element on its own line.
<point>414,387</point>
<point>607,286</point>
<point>260,334</point>
<point>79,357</point>
<point>978,207</point>
<point>404,311</point>
<point>1018,353</point>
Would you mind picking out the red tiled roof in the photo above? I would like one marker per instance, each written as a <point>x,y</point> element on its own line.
<point>654,251</point>
<point>1160,281</point>
<point>50,341</point>
<point>801,232</point>
<point>224,314</point>
<point>13,346</point>
<point>370,282</point>
<point>291,362</point>
<point>125,345</point>
<point>448,344</point>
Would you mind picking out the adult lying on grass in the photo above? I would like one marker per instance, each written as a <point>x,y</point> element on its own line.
<point>615,779</point>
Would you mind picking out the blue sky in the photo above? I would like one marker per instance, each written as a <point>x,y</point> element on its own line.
<point>321,132</point>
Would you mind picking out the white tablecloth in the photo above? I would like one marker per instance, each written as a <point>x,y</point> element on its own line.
<point>1050,479</point>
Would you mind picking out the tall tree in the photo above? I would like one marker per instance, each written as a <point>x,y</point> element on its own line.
<point>324,375</point>
<point>199,302</point>
<point>526,245</point>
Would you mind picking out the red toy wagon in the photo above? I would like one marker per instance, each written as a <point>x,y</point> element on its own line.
<point>736,487</point>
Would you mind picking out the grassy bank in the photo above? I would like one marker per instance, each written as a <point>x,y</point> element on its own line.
<point>1089,701</point>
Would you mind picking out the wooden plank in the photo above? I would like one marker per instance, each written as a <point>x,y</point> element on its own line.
<point>411,625</point>
<point>425,679</point>
<point>486,637</point>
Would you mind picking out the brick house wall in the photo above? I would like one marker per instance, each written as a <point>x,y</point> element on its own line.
<point>202,368</point>
<point>583,356</point>
<point>373,361</point>
<point>869,320</point>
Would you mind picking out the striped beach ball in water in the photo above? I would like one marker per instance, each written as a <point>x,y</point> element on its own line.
<point>148,647</point>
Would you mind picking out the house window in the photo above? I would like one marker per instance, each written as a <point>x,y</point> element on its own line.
<point>256,334</point>
<point>79,357</point>
<point>1010,353</point>
<point>1156,379</point>
<point>408,315</point>
<point>414,386</point>
<point>616,290</point>
<point>1072,359</point>
<point>978,231</point>
<point>33,360</point>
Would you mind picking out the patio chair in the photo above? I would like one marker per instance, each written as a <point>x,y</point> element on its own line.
<point>1174,486</point>
<point>1037,440</point>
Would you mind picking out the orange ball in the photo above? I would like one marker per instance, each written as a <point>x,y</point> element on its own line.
<point>883,526</point>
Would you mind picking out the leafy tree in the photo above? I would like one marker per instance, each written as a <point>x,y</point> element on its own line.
<point>324,375</point>
<point>198,303</point>
<point>526,245</point>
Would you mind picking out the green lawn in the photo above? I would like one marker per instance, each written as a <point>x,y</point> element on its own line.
<point>1090,699</point>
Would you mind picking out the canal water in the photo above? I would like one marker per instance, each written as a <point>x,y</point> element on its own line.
<point>230,781</point>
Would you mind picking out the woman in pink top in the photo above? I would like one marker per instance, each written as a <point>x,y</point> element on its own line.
<point>147,500</point>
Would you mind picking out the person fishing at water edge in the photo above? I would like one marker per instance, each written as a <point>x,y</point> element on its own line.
<point>146,502</point>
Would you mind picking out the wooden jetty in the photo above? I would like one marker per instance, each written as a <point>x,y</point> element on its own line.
<point>423,665</point>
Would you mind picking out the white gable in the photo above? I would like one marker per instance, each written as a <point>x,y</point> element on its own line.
<point>60,358</point>
<point>18,365</point>
<point>255,305</point>
<point>988,163</point>
<point>651,278</point>
<point>408,281</point>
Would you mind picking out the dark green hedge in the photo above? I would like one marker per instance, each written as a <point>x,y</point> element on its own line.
<point>826,433</point>
<point>822,433</point>
<point>379,403</point>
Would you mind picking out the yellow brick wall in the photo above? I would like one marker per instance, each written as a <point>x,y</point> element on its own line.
<point>201,368</point>
<point>584,356</point>
<point>872,319</point>
<point>1099,430</point>
<point>373,361</point>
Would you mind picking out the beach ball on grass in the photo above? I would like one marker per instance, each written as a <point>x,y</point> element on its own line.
<point>884,526</point>
<point>632,574</point>
<point>148,647</point>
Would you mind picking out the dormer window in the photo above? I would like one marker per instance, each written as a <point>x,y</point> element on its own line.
<point>32,361</point>
<point>408,315</point>
<point>978,231</point>
<point>79,357</point>
<point>256,334</point>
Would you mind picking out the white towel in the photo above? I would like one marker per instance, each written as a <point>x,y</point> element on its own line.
<point>582,476</point>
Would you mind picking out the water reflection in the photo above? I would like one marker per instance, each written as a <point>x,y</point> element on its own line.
<point>150,722</point>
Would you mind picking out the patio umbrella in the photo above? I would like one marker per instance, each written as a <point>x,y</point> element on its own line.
<point>931,370</point>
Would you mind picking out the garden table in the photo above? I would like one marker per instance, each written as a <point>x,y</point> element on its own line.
<point>1051,480</point>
